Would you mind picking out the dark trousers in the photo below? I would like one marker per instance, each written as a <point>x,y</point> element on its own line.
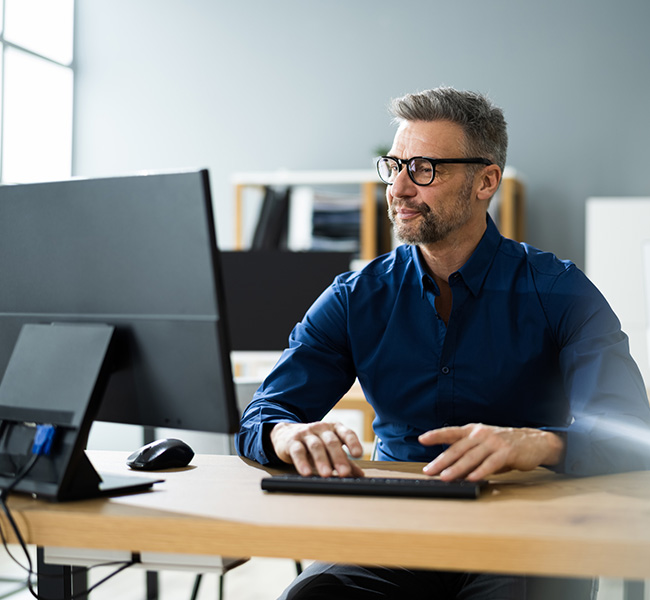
<point>322,581</point>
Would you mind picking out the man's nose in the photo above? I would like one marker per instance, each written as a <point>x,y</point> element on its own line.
<point>403,185</point>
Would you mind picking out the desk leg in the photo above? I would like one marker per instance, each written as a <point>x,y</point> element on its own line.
<point>80,583</point>
<point>54,581</point>
<point>152,585</point>
<point>633,590</point>
<point>61,582</point>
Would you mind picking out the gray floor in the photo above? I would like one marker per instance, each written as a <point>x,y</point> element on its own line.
<point>258,579</point>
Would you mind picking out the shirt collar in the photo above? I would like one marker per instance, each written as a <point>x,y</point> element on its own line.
<point>475,270</point>
<point>423,277</point>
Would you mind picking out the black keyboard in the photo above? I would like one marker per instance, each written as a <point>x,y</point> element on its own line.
<point>373,486</point>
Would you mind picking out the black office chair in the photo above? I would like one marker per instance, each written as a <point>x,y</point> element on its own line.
<point>199,578</point>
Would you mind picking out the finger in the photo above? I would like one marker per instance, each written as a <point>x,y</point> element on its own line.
<point>357,471</point>
<point>343,465</point>
<point>318,454</point>
<point>337,456</point>
<point>466,463</point>
<point>350,439</point>
<point>444,435</point>
<point>299,457</point>
<point>494,463</point>
<point>451,455</point>
<point>481,462</point>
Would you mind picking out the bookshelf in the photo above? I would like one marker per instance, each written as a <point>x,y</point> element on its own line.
<point>370,244</point>
<point>510,205</point>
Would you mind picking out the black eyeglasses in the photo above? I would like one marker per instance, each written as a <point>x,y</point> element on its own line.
<point>421,169</point>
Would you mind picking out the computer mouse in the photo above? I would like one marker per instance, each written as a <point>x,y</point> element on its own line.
<point>167,453</point>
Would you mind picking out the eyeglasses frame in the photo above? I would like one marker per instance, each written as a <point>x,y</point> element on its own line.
<point>403,162</point>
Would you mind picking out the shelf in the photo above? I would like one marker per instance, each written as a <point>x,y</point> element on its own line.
<point>368,181</point>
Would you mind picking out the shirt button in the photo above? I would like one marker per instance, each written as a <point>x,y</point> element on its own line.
<point>445,370</point>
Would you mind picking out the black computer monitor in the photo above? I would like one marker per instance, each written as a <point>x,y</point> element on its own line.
<point>111,308</point>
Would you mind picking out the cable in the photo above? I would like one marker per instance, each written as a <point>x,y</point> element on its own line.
<point>6,430</point>
<point>41,446</point>
<point>101,581</point>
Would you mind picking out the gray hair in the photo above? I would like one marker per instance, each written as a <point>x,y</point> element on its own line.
<point>484,125</point>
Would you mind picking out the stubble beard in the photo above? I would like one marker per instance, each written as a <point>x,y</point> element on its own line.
<point>431,228</point>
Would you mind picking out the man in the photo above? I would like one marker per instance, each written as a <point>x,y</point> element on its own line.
<point>478,354</point>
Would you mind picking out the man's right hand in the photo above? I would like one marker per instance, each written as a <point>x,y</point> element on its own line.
<point>317,448</point>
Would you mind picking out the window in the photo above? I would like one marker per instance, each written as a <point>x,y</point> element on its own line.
<point>37,76</point>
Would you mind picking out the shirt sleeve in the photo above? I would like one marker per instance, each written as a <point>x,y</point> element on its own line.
<point>312,374</point>
<point>609,428</point>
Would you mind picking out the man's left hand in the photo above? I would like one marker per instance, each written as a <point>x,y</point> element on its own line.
<point>477,451</point>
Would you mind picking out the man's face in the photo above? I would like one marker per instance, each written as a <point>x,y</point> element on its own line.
<point>429,214</point>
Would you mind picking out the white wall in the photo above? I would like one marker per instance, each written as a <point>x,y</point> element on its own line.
<point>618,238</point>
<point>260,85</point>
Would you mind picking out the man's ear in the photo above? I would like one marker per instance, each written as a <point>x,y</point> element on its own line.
<point>489,179</point>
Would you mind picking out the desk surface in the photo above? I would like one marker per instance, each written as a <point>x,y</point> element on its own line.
<point>534,522</point>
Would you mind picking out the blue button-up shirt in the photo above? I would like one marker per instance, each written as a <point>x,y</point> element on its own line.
<point>530,342</point>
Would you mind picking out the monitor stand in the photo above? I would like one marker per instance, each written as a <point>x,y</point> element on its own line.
<point>56,376</point>
<point>88,483</point>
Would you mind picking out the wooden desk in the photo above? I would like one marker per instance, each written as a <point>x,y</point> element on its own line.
<point>536,523</point>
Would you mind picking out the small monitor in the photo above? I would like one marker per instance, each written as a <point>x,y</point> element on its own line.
<point>111,290</point>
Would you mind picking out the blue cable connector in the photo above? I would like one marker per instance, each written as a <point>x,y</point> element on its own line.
<point>43,439</point>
